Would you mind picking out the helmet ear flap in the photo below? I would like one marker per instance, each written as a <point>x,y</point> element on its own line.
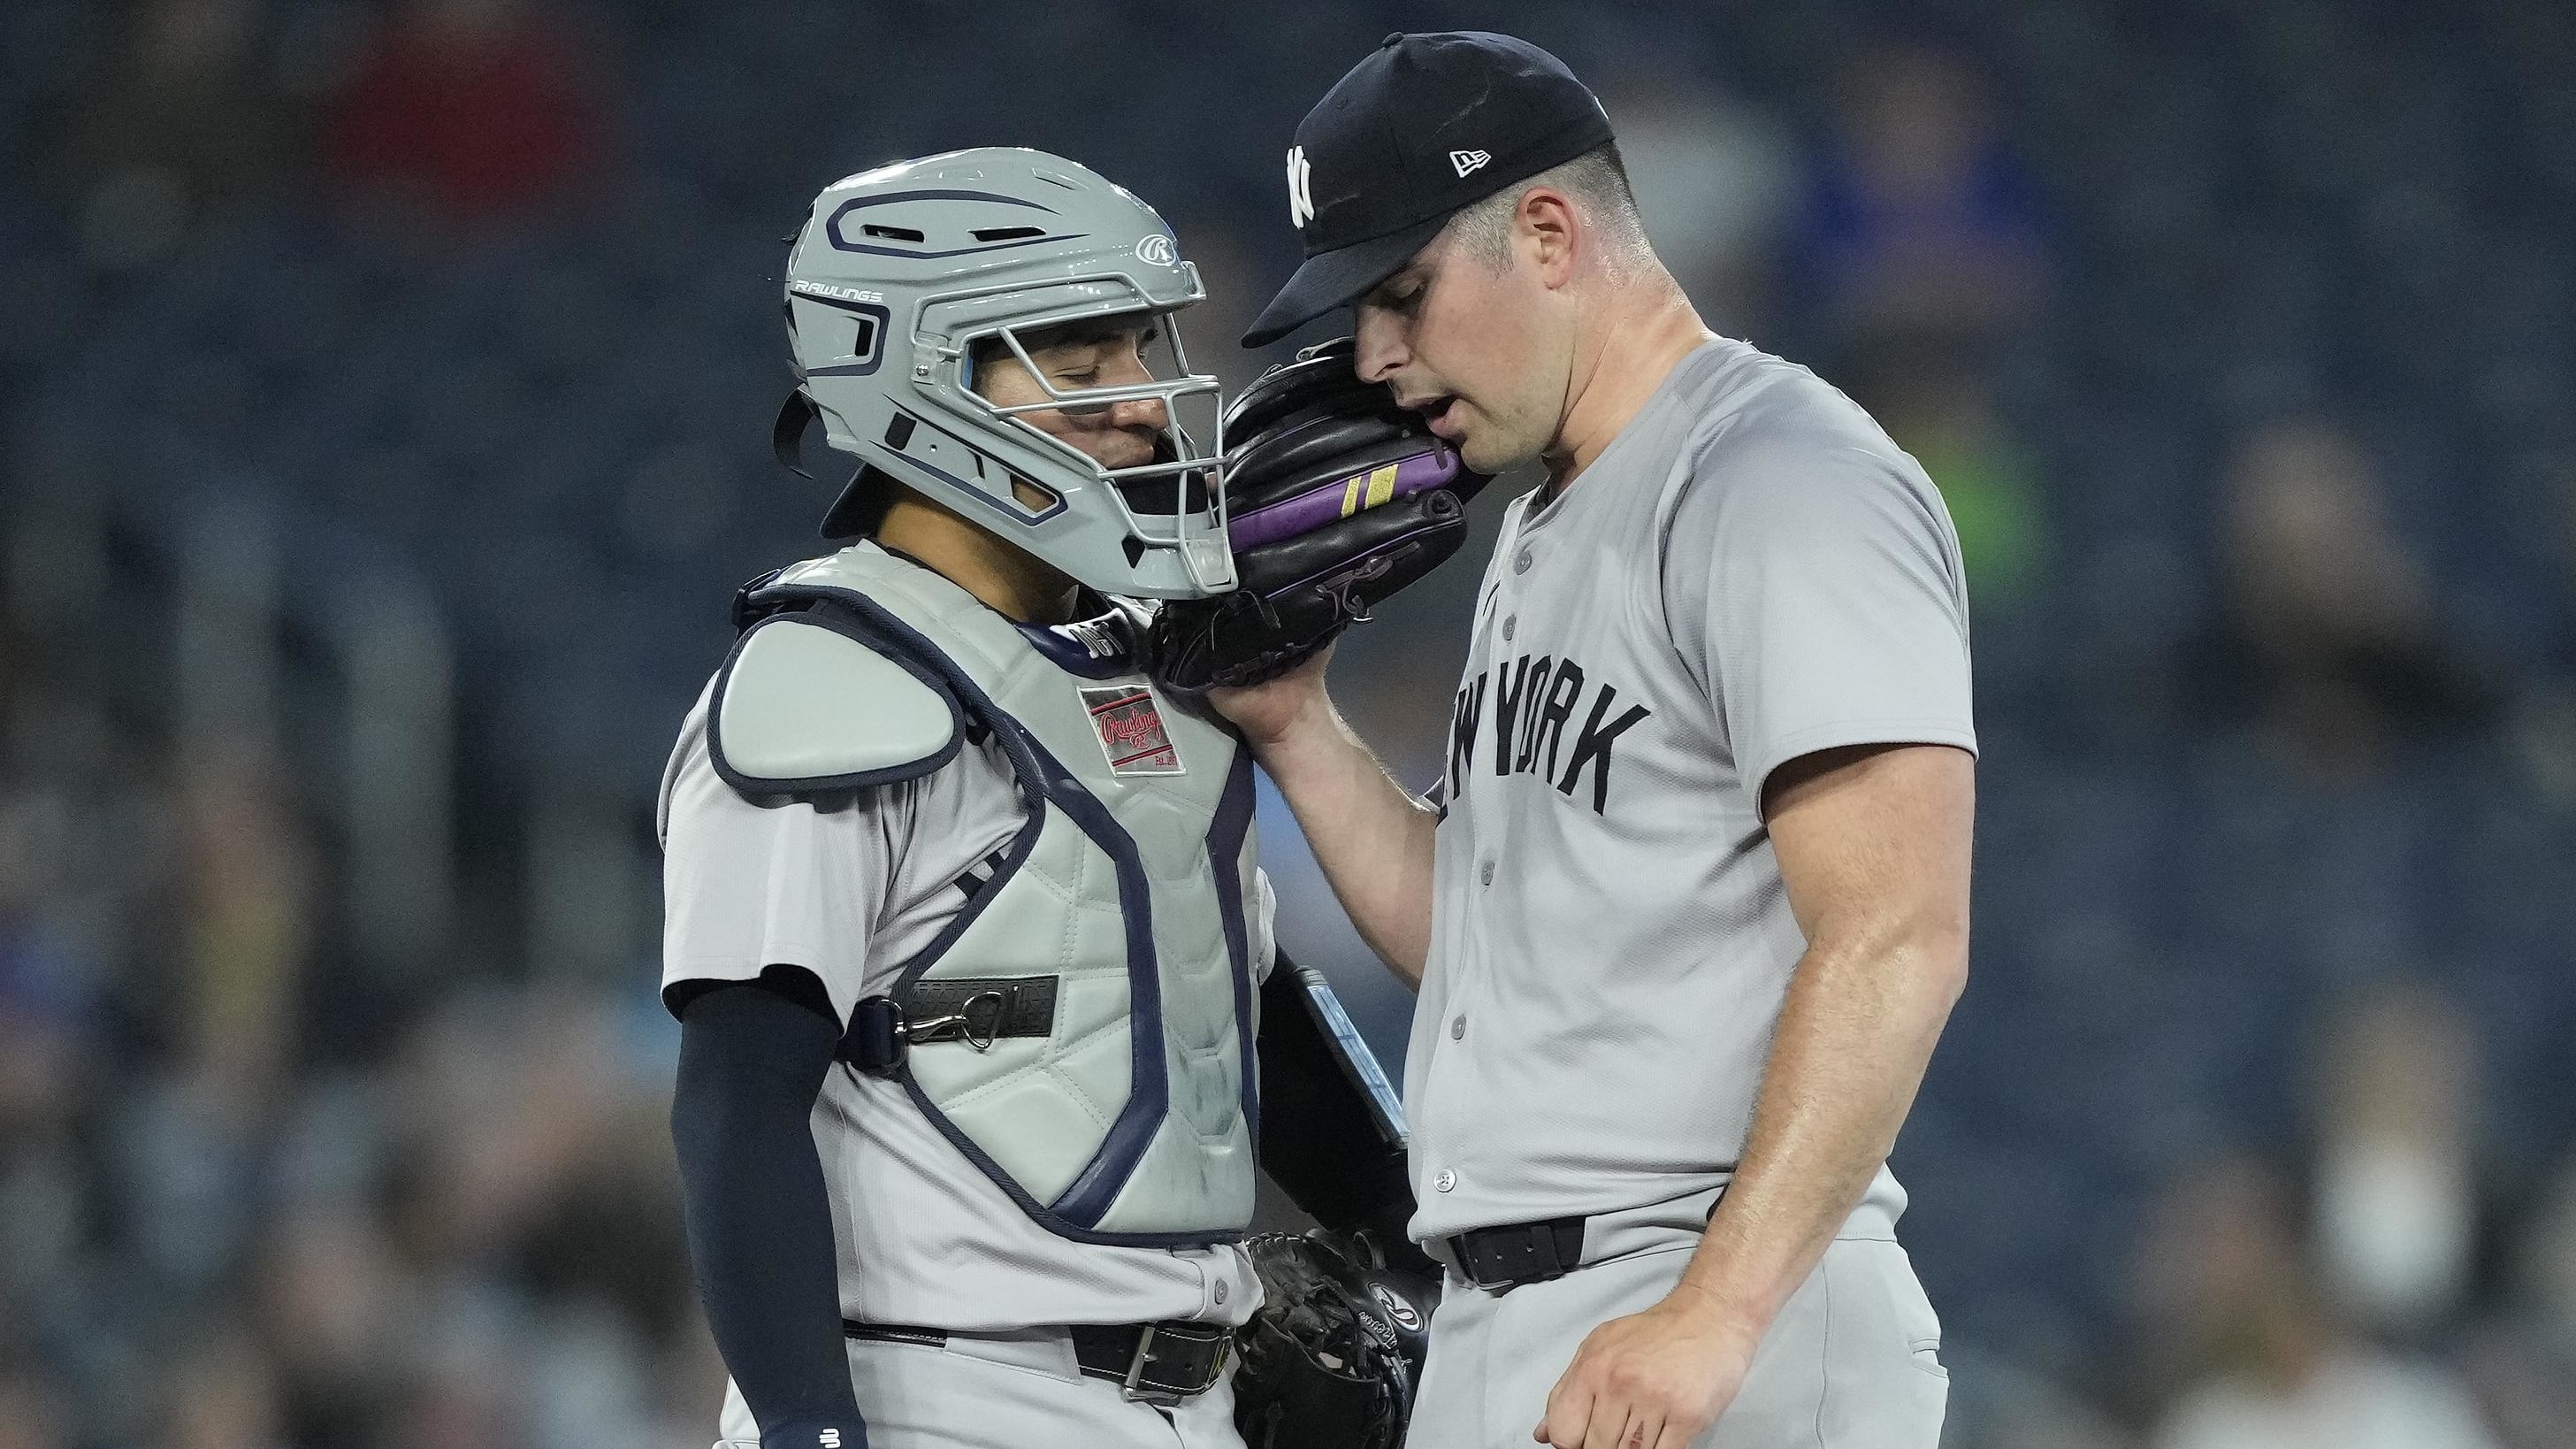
<point>863,500</point>
<point>862,505</point>
<point>787,434</point>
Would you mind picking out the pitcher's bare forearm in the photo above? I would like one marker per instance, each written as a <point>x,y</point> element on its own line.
<point>1850,1051</point>
<point>1874,844</point>
<point>1874,849</point>
<point>1372,838</point>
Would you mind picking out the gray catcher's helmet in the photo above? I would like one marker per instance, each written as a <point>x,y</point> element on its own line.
<point>896,277</point>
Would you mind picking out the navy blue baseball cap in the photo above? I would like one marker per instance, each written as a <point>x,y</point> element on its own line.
<point>1424,125</point>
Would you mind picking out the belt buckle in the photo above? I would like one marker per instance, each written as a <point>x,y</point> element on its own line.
<point>1133,1388</point>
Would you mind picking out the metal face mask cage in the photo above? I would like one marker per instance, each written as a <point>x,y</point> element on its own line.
<point>1181,473</point>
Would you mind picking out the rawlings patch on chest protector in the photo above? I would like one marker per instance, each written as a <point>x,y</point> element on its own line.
<point>1131,730</point>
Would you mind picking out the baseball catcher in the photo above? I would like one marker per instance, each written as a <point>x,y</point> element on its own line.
<point>964,923</point>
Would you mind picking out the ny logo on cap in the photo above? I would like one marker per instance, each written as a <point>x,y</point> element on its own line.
<point>1301,202</point>
<point>1467,161</point>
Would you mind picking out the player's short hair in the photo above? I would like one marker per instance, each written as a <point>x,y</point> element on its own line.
<point>1598,182</point>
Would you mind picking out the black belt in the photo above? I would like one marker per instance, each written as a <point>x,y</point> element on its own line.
<point>1518,1253</point>
<point>1158,1363</point>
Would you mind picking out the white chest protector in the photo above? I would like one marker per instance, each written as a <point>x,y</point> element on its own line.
<point>1097,989</point>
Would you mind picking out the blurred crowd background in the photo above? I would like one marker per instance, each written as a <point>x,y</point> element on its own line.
<point>384,395</point>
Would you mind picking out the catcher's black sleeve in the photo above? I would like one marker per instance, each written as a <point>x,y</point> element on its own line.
<point>752,1059</point>
<point>1322,1141</point>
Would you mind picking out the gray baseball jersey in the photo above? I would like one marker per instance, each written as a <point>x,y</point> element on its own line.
<point>1751,571</point>
<point>851,888</point>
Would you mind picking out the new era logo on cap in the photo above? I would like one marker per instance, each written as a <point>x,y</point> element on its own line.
<point>1467,161</point>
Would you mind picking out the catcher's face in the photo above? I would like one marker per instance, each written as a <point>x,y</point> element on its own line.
<point>1479,349</point>
<point>1107,352</point>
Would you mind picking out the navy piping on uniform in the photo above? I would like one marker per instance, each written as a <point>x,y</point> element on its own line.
<point>1076,1213</point>
<point>762,785</point>
<point>1015,855</point>
<point>1225,859</point>
<point>1097,1186</point>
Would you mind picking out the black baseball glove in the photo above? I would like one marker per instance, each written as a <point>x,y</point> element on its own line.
<point>1331,1359</point>
<point>1335,498</point>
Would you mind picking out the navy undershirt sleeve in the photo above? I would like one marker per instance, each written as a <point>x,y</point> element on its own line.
<point>752,1060</point>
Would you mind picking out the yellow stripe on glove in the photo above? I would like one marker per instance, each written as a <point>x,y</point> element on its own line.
<point>1368,490</point>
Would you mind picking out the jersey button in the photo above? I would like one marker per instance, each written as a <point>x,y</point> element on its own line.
<point>1458,1028</point>
<point>1486,874</point>
<point>1521,562</point>
<point>1220,1290</point>
<point>1509,623</point>
<point>1445,1181</point>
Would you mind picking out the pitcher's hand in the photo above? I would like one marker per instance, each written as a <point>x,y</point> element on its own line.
<point>1651,1380</point>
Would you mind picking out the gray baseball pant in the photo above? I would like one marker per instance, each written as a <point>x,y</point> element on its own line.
<point>1852,1362</point>
<point>1003,1391</point>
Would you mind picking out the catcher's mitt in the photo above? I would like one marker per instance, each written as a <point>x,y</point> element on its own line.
<point>1336,498</point>
<point>1331,1360</point>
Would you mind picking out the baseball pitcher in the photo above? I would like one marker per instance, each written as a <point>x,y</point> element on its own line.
<point>1691,905</point>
